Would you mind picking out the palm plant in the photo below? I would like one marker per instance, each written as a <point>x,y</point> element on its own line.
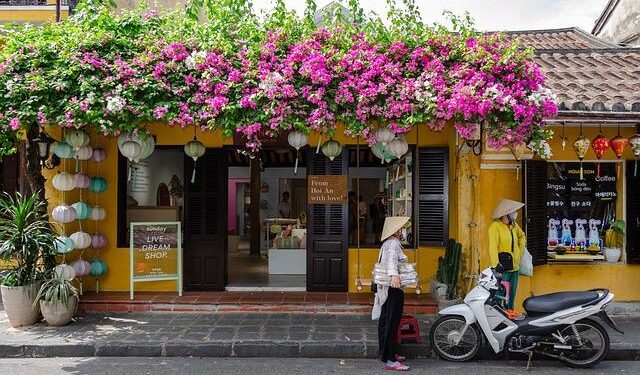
<point>56,290</point>
<point>26,237</point>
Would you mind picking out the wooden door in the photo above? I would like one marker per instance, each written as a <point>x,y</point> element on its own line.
<point>205,222</point>
<point>633,213</point>
<point>327,232</point>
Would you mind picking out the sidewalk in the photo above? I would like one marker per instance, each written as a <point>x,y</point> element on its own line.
<point>232,335</point>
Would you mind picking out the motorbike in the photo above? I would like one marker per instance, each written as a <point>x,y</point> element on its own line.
<point>558,325</point>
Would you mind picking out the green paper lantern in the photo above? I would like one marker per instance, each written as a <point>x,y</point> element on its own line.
<point>332,149</point>
<point>98,267</point>
<point>77,138</point>
<point>83,210</point>
<point>63,150</point>
<point>380,151</point>
<point>64,245</point>
<point>97,185</point>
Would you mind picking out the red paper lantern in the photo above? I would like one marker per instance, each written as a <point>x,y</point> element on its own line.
<point>600,145</point>
<point>617,145</point>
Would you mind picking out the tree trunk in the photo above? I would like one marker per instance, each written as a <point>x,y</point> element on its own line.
<point>254,208</point>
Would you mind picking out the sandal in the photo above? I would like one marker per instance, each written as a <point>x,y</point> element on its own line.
<point>400,358</point>
<point>398,367</point>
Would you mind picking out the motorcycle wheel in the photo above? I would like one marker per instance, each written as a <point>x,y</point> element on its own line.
<point>595,340</point>
<point>446,330</point>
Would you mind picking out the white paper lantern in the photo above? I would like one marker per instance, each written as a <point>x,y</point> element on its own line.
<point>398,147</point>
<point>63,181</point>
<point>81,180</point>
<point>194,149</point>
<point>384,136</point>
<point>332,149</point>
<point>148,145</point>
<point>81,267</point>
<point>98,241</point>
<point>77,138</point>
<point>297,139</point>
<point>81,240</point>
<point>63,213</point>
<point>84,152</point>
<point>98,213</point>
<point>65,271</point>
<point>131,150</point>
<point>98,155</point>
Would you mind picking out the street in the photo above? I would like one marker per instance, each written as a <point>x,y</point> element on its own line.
<point>277,366</point>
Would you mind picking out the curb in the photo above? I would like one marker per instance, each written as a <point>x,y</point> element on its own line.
<point>273,349</point>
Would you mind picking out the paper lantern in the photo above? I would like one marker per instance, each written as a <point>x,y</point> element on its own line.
<point>84,152</point>
<point>332,149</point>
<point>81,240</point>
<point>98,213</point>
<point>83,210</point>
<point>81,267</point>
<point>297,140</point>
<point>63,181</point>
<point>65,271</point>
<point>384,136</point>
<point>63,150</point>
<point>98,267</point>
<point>600,145</point>
<point>131,150</point>
<point>381,152</point>
<point>97,184</point>
<point>77,138</point>
<point>81,181</point>
<point>618,144</point>
<point>98,241</point>
<point>64,244</point>
<point>581,146</point>
<point>98,155</point>
<point>147,145</point>
<point>398,147</point>
<point>634,143</point>
<point>63,213</point>
<point>194,149</point>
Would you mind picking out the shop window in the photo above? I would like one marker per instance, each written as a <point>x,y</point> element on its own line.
<point>633,212</point>
<point>568,207</point>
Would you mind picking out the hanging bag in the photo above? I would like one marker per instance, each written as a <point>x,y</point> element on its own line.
<point>406,272</point>
<point>505,258</point>
<point>526,263</point>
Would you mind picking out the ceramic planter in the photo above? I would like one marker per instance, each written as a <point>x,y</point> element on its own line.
<point>18,304</point>
<point>612,254</point>
<point>58,314</point>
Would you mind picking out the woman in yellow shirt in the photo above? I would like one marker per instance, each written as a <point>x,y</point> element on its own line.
<point>506,243</point>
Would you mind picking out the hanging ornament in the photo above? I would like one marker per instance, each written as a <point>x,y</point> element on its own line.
<point>63,213</point>
<point>97,184</point>
<point>81,240</point>
<point>63,181</point>
<point>297,140</point>
<point>563,139</point>
<point>84,153</point>
<point>98,214</point>
<point>62,150</point>
<point>98,155</point>
<point>381,152</point>
<point>600,145</point>
<point>331,149</point>
<point>83,210</point>
<point>77,138</point>
<point>81,267</point>
<point>81,181</point>
<point>398,147</point>
<point>64,244</point>
<point>98,267</point>
<point>130,150</point>
<point>634,143</point>
<point>384,136</point>
<point>148,145</point>
<point>618,144</point>
<point>194,149</point>
<point>98,241</point>
<point>65,271</point>
<point>581,146</point>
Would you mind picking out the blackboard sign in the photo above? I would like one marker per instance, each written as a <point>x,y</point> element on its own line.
<point>580,202</point>
<point>581,187</point>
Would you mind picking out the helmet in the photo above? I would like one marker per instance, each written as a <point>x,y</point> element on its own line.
<point>488,280</point>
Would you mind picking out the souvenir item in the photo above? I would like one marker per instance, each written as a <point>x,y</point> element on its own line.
<point>600,145</point>
<point>618,145</point>
<point>594,234</point>
<point>98,155</point>
<point>81,180</point>
<point>63,181</point>
<point>82,240</point>
<point>83,211</point>
<point>297,140</point>
<point>63,213</point>
<point>97,184</point>
<point>81,267</point>
<point>580,235</point>
<point>64,244</point>
<point>567,239</point>
<point>634,143</point>
<point>581,146</point>
<point>98,267</point>
<point>64,271</point>
<point>552,236</point>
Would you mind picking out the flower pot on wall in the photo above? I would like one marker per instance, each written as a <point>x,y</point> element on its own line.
<point>58,314</point>
<point>612,254</point>
<point>18,304</point>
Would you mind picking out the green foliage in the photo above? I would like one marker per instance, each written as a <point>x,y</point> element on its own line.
<point>56,289</point>
<point>449,267</point>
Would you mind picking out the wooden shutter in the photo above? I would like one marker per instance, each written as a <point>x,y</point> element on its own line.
<point>633,213</point>
<point>535,209</point>
<point>433,196</point>
<point>10,174</point>
<point>327,244</point>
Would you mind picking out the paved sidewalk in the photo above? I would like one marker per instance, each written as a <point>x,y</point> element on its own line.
<point>230,335</point>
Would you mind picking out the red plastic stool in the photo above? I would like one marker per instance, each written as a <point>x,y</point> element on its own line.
<point>408,329</point>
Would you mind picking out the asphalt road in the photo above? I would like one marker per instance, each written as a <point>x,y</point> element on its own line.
<point>275,366</point>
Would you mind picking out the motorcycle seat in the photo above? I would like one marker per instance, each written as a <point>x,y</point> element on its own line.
<point>550,303</point>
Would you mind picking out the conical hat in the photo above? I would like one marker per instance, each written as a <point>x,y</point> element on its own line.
<point>505,207</point>
<point>392,224</point>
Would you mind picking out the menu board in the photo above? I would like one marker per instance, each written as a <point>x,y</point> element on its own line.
<point>565,190</point>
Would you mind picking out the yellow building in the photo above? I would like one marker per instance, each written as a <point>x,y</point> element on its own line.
<point>31,11</point>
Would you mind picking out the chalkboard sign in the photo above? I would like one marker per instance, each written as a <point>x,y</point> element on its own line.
<point>155,253</point>
<point>581,187</point>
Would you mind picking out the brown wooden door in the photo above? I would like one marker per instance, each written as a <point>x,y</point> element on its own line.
<point>205,222</point>
<point>327,232</point>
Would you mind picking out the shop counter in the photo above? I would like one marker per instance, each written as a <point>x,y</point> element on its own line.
<point>287,261</point>
<point>574,257</point>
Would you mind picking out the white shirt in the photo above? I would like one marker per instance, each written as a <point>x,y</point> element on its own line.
<point>390,255</point>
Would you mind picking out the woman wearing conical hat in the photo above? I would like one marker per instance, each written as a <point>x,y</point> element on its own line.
<point>389,300</point>
<point>506,243</point>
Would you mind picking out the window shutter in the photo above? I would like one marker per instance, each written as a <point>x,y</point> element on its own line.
<point>433,196</point>
<point>535,209</point>
<point>633,214</point>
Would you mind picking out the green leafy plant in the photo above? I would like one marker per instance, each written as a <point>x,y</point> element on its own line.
<point>55,290</point>
<point>26,237</point>
<point>614,236</point>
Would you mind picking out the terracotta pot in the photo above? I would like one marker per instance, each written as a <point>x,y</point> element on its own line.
<point>612,254</point>
<point>18,303</point>
<point>58,314</point>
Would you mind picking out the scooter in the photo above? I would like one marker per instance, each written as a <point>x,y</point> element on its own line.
<point>558,325</point>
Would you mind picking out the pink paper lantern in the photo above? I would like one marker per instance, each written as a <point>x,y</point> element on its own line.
<point>81,267</point>
<point>98,156</point>
<point>81,180</point>
<point>63,213</point>
<point>98,241</point>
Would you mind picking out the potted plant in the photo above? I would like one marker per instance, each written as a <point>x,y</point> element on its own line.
<point>58,300</point>
<point>26,238</point>
<point>176,190</point>
<point>614,241</point>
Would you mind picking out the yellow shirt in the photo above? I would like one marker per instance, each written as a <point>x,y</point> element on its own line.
<point>500,241</point>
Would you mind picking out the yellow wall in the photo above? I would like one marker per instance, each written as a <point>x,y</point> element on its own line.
<point>31,15</point>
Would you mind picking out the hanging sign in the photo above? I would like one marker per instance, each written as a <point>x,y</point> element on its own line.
<point>155,253</point>
<point>327,189</point>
